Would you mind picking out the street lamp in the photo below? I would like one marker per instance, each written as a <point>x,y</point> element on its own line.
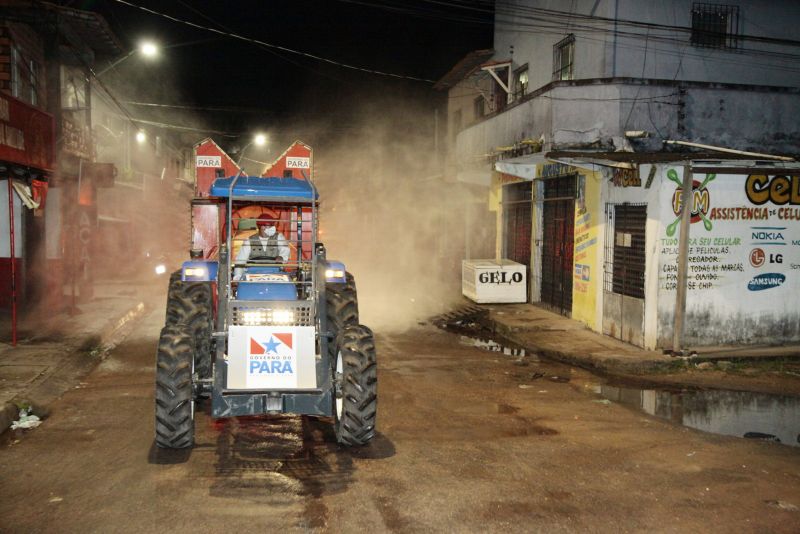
<point>148,49</point>
<point>258,140</point>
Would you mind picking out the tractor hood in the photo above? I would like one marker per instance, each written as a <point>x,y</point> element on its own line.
<point>256,187</point>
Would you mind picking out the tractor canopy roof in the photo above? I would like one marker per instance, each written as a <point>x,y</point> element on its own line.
<point>264,188</point>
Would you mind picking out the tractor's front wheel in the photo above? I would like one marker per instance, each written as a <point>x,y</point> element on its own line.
<point>355,386</point>
<point>341,306</point>
<point>174,402</point>
<point>191,304</point>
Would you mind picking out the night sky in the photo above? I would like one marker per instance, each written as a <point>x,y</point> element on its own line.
<point>421,39</point>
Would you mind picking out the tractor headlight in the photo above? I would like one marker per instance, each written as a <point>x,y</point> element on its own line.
<point>282,317</point>
<point>334,273</point>
<point>200,273</point>
<point>254,317</point>
<point>262,317</point>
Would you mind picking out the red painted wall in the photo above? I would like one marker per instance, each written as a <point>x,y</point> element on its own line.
<point>297,160</point>
<point>209,157</point>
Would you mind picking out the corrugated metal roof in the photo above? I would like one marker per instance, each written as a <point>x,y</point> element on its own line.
<point>463,68</point>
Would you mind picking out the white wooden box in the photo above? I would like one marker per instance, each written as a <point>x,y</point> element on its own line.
<point>494,281</point>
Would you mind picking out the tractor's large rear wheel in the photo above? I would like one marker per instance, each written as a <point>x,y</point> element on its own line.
<point>190,304</point>
<point>174,402</point>
<point>355,386</point>
<point>341,307</point>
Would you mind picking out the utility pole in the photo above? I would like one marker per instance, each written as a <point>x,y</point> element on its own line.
<point>687,199</point>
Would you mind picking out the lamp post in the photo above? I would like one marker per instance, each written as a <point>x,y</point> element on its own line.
<point>259,140</point>
<point>148,49</point>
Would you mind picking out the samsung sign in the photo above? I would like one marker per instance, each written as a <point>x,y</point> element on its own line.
<point>766,281</point>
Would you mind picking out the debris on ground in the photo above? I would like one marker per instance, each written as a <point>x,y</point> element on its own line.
<point>724,365</point>
<point>559,379</point>
<point>602,401</point>
<point>704,365</point>
<point>783,505</point>
<point>26,420</point>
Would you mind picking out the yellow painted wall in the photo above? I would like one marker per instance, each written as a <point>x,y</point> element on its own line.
<point>495,205</point>
<point>586,272</point>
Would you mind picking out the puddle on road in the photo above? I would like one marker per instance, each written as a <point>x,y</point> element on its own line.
<point>748,415</point>
<point>493,346</point>
<point>731,413</point>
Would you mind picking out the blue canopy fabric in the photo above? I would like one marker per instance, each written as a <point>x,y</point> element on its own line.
<point>257,186</point>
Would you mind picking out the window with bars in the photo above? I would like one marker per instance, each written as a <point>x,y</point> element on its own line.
<point>625,255</point>
<point>563,57</point>
<point>715,25</point>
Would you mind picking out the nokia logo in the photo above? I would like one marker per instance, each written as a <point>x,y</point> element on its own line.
<point>767,235</point>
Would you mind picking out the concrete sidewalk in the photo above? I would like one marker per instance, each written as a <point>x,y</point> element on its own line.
<point>54,352</point>
<point>567,340</point>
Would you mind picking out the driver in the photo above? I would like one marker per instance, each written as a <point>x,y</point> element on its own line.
<point>268,244</point>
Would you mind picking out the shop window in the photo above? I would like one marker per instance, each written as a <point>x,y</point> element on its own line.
<point>520,82</point>
<point>715,25</point>
<point>563,57</point>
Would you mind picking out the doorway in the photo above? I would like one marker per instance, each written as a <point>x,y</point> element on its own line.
<point>558,229</point>
<point>623,272</point>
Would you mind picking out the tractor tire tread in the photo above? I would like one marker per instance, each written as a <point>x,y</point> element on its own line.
<point>341,307</point>
<point>190,304</point>
<point>359,386</point>
<point>174,426</point>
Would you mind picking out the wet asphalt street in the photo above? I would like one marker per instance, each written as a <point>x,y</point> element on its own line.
<point>469,441</point>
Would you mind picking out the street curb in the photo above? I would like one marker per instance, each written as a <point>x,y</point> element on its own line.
<point>607,365</point>
<point>38,396</point>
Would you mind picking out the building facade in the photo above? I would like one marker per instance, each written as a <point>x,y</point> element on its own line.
<point>590,122</point>
<point>47,151</point>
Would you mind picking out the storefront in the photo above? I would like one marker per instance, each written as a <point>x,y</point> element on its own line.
<point>605,246</point>
<point>27,142</point>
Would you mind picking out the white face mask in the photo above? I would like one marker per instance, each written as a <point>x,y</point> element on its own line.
<point>269,231</point>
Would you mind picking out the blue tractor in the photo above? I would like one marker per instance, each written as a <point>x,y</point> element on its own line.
<point>260,333</point>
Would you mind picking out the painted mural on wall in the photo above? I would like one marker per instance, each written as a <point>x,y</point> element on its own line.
<point>585,267</point>
<point>744,257</point>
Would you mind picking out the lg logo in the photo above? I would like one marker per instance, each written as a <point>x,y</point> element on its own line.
<point>758,257</point>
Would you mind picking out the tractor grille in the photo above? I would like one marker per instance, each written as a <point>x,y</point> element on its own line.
<point>303,312</point>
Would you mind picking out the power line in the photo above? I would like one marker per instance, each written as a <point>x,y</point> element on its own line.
<point>227,109</point>
<point>270,45</point>
<point>266,49</point>
<point>540,20</point>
